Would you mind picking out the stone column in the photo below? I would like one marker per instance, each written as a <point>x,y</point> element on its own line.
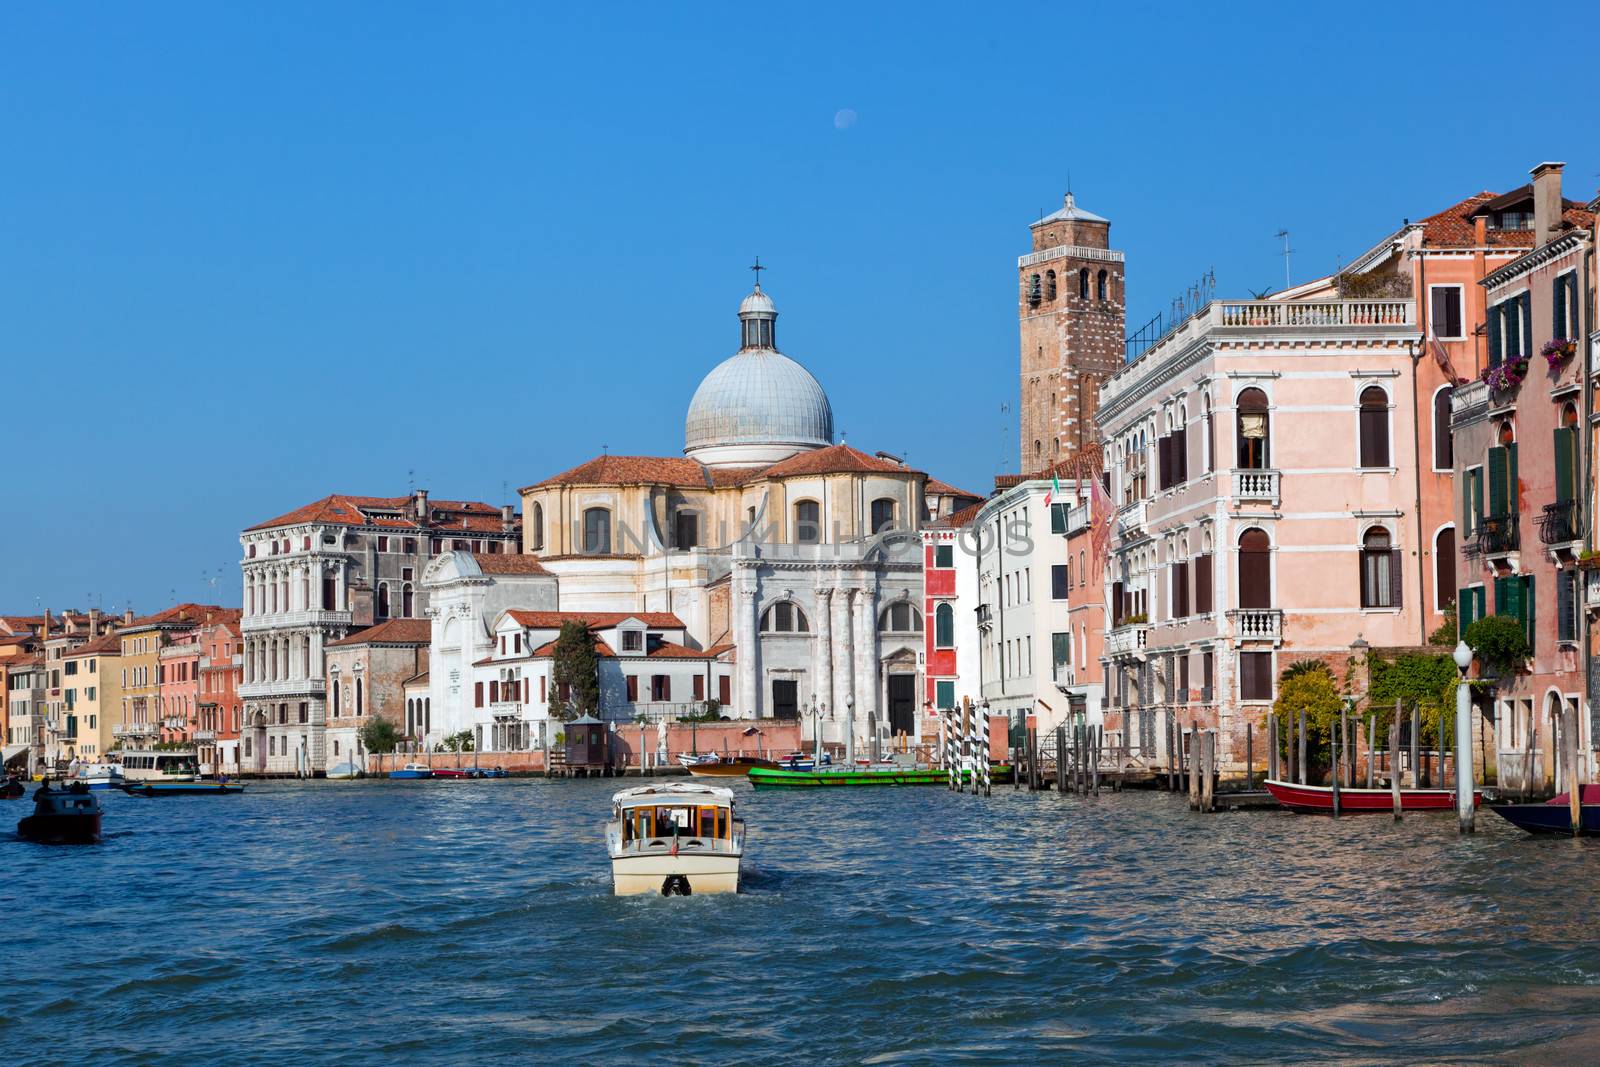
<point>839,655</point>
<point>822,675</point>
<point>748,643</point>
<point>866,656</point>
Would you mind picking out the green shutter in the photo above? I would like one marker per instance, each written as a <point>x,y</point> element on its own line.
<point>1493,326</point>
<point>1497,481</point>
<point>1527,607</point>
<point>1526,317</point>
<point>1565,441</point>
<point>1558,308</point>
<point>1513,491</point>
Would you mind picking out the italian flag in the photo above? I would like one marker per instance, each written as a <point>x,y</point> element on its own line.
<point>1055,488</point>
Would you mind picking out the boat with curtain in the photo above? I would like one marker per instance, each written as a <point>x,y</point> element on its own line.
<point>1318,799</point>
<point>676,839</point>
<point>1554,816</point>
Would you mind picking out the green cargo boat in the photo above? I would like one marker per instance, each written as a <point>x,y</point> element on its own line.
<point>770,778</point>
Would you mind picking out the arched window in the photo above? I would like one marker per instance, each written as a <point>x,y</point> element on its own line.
<point>1049,285</point>
<point>944,626</point>
<point>1380,570</point>
<point>336,688</point>
<point>1561,523</point>
<point>597,531</point>
<point>784,617</point>
<point>1255,569</point>
<point>407,602</point>
<point>536,526</point>
<point>1444,568</point>
<point>900,618</point>
<point>807,522</point>
<point>1444,455</point>
<point>1100,286</point>
<point>1374,427</point>
<point>1033,291</point>
<point>882,514</point>
<point>1083,284</point>
<point>1211,438</point>
<point>358,696</point>
<point>383,600</point>
<point>1083,572</point>
<point>1254,453</point>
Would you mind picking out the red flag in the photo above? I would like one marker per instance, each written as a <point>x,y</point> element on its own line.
<point>674,844</point>
<point>1441,357</point>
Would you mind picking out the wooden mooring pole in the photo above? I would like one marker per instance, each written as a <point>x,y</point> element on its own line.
<point>1249,757</point>
<point>1394,760</point>
<point>1061,759</point>
<point>1194,766</point>
<point>1272,746</point>
<point>1301,754</point>
<point>1569,768</point>
<point>1416,745</point>
<point>1334,749</point>
<point>1208,788</point>
<point>1372,747</point>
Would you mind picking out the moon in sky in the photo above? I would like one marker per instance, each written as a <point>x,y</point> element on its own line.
<point>844,118</point>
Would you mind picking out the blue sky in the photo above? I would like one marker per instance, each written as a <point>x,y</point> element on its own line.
<point>252,254</point>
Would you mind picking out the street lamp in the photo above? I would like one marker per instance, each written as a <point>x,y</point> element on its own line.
<point>1464,795</point>
<point>850,731</point>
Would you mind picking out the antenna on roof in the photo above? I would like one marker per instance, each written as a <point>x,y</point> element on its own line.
<point>1286,250</point>
<point>605,449</point>
<point>411,482</point>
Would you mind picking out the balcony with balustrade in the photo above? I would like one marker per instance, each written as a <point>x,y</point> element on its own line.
<point>1558,525</point>
<point>1128,639</point>
<point>1498,535</point>
<point>1256,625</point>
<point>134,729</point>
<point>1252,486</point>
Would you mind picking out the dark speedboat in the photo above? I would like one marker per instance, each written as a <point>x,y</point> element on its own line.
<point>66,815</point>
<point>12,789</point>
<point>180,789</point>
<point>1554,816</point>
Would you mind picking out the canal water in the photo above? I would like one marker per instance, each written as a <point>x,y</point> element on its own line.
<point>472,922</point>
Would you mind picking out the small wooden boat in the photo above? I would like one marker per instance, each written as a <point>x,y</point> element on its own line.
<point>343,772</point>
<point>715,766</point>
<point>675,839</point>
<point>1554,816</point>
<point>803,761</point>
<point>198,788</point>
<point>413,770</point>
<point>1319,799</point>
<point>455,772</point>
<point>783,778</point>
<point>493,772</point>
<point>66,815</point>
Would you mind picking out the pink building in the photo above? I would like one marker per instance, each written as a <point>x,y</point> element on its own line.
<point>1524,468</point>
<point>221,670</point>
<point>178,678</point>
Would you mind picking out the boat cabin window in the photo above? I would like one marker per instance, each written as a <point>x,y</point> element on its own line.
<point>646,822</point>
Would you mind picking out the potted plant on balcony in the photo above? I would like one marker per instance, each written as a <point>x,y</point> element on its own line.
<point>1558,350</point>
<point>1508,375</point>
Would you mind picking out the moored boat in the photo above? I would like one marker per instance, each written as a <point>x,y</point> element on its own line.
<point>783,778</point>
<point>802,761</point>
<point>343,772</point>
<point>1318,799</point>
<point>715,766</point>
<point>62,815</point>
<point>413,770</point>
<point>675,839</point>
<point>99,775</point>
<point>1554,816</point>
<point>456,772</point>
<point>197,788</point>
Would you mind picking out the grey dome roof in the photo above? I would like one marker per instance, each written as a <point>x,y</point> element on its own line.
<point>758,397</point>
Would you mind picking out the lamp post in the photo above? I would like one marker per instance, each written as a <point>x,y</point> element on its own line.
<point>1464,808</point>
<point>850,731</point>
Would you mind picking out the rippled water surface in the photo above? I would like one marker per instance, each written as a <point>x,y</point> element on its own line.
<point>375,922</point>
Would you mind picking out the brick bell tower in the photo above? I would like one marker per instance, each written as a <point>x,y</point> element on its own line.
<point>1071,312</point>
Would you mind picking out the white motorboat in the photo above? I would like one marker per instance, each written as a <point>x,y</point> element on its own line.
<point>675,839</point>
<point>98,775</point>
<point>148,765</point>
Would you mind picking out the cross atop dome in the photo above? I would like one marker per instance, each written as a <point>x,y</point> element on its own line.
<point>758,268</point>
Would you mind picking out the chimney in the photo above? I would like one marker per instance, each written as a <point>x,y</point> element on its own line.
<point>1480,230</point>
<point>508,517</point>
<point>419,503</point>
<point>1546,202</point>
<point>94,622</point>
<point>45,632</point>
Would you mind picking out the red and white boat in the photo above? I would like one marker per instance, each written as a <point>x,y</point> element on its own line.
<point>1319,799</point>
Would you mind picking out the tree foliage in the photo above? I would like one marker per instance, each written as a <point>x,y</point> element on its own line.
<point>575,666</point>
<point>1428,682</point>
<point>379,736</point>
<point>1500,643</point>
<point>1308,686</point>
<point>1445,635</point>
<point>457,742</point>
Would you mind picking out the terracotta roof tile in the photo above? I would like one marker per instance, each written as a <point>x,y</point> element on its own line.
<point>1452,227</point>
<point>549,648</point>
<point>835,459</point>
<point>343,509</point>
<point>669,650</point>
<point>597,620</point>
<point>510,563</point>
<point>937,488</point>
<point>392,632</point>
<point>181,614</point>
<point>633,470</point>
<point>416,679</point>
<point>109,645</point>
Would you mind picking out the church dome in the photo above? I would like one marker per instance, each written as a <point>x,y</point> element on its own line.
<point>759,406</point>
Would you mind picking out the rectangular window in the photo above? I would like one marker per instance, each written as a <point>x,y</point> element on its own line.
<point>632,640</point>
<point>724,697</point>
<point>1060,648</point>
<point>383,544</point>
<point>633,688</point>
<point>1180,590</point>
<point>699,687</point>
<point>1058,518</point>
<point>1202,584</point>
<point>477,694</point>
<point>1255,675</point>
<point>944,694</point>
<point>1567,605</point>
<point>1445,312</point>
<point>1058,581</point>
<point>660,687</point>
<point>1208,666</point>
<point>944,556</point>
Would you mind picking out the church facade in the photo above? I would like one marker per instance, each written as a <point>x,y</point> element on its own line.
<point>790,556</point>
